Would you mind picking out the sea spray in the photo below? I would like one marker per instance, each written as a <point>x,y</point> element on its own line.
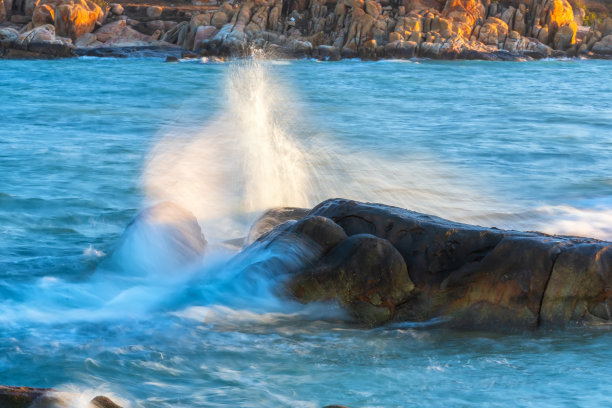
<point>264,149</point>
<point>246,160</point>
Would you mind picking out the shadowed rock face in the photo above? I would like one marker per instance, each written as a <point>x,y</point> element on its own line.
<point>20,397</point>
<point>272,218</point>
<point>398,265</point>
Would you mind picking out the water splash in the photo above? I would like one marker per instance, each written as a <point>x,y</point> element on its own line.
<point>245,160</point>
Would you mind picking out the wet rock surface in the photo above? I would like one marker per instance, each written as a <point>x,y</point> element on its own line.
<point>398,265</point>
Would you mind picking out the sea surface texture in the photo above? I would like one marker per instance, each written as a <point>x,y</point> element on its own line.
<point>85,144</point>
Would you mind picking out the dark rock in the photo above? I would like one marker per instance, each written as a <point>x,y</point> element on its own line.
<point>364,273</point>
<point>272,218</point>
<point>405,266</point>
<point>103,402</point>
<point>579,286</point>
<point>135,52</point>
<point>172,59</point>
<point>20,397</point>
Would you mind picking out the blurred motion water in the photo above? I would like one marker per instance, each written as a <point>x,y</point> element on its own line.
<point>90,307</point>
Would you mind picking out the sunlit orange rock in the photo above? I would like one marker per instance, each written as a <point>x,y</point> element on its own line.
<point>565,37</point>
<point>43,14</point>
<point>465,15</point>
<point>493,32</point>
<point>75,18</point>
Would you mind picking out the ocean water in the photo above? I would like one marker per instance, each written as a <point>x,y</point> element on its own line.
<point>86,144</point>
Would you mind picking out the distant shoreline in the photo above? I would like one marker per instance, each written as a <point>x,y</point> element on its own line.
<point>319,29</point>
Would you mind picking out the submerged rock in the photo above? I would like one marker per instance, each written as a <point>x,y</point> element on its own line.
<point>161,239</point>
<point>399,265</point>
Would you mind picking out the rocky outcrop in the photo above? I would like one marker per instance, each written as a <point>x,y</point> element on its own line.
<point>40,42</point>
<point>398,265</point>
<point>367,29</point>
<point>373,29</point>
<point>71,18</point>
<point>74,18</point>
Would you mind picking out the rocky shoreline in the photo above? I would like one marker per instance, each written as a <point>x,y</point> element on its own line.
<point>321,29</point>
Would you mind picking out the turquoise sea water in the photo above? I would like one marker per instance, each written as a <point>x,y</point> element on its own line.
<point>87,143</point>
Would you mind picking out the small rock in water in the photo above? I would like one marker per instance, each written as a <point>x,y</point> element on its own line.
<point>172,59</point>
<point>103,402</point>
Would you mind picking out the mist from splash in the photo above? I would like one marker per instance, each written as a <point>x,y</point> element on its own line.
<point>245,160</point>
<point>262,150</point>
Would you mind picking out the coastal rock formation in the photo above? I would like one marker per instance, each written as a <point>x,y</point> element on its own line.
<point>398,265</point>
<point>71,18</point>
<point>380,29</point>
<point>331,30</point>
<point>39,42</point>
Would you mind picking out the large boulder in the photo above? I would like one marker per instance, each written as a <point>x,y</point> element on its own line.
<point>110,30</point>
<point>465,14</point>
<point>272,218</point>
<point>42,42</point>
<point>43,14</point>
<point>398,265</point>
<point>603,47</point>
<point>565,37</point>
<point>366,274</point>
<point>493,32</point>
<point>74,18</point>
